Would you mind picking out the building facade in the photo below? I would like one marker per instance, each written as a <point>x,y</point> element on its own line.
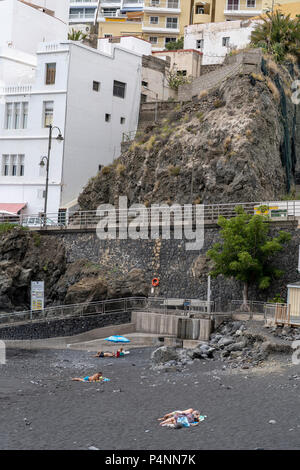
<point>216,40</point>
<point>93,98</point>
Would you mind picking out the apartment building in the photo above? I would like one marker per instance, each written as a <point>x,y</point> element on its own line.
<point>91,96</point>
<point>157,21</point>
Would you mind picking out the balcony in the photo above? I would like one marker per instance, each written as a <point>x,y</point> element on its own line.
<point>83,3</point>
<point>243,8</point>
<point>162,6</point>
<point>78,17</point>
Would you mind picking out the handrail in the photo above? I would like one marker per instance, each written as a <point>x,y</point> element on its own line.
<point>279,210</point>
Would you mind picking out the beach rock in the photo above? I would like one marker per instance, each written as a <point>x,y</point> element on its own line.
<point>225,341</point>
<point>236,346</point>
<point>163,355</point>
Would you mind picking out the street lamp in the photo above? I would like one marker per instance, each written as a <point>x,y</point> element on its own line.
<point>59,138</point>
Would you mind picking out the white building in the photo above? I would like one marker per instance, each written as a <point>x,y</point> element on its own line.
<point>92,96</point>
<point>22,26</point>
<point>215,40</point>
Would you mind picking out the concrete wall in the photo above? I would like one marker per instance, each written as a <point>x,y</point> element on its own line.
<point>188,60</point>
<point>90,141</point>
<point>244,62</point>
<point>154,74</point>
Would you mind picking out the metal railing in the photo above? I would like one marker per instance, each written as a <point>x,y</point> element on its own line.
<point>281,210</point>
<point>127,304</point>
<point>75,310</point>
<point>176,306</point>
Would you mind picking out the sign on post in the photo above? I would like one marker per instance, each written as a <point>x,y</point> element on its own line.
<point>37,295</point>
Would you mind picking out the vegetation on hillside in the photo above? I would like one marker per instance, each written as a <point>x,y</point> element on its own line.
<point>278,35</point>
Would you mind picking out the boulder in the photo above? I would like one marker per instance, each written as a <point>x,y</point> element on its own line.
<point>163,355</point>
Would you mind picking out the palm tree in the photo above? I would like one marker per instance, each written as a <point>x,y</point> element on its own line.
<point>76,35</point>
<point>278,34</point>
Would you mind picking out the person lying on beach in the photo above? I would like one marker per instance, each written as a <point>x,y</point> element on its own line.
<point>93,378</point>
<point>119,353</point>
<point>104,354</point>
<point>191,415</point>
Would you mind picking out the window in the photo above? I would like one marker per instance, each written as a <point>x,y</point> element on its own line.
<point>122,120</point>
<point>199,10</point>
<point>24,116</point>
<point>181,73</point>
<point>154,3</point>
<point>172,23</point>
<point>107,117</point>
<point>144,83</point>
<point>96,86</point>
<point>225,42</point>
<point>153,39</point>
<point>21,159</point>
<point>170,40</point>
<point>13,165</point>
<point>16,115</point>
<point>199,43</point>
<point>108,35</point>
<point>14,162</point>
<point>5,165</point>
<point>251,3</point>
<point>172,3</point>
<point>233,4</point>
<point>48,113</point>
<point>8,117</point>
<point>153,19</point>
<point>50,74</point>
<point>119,89</point>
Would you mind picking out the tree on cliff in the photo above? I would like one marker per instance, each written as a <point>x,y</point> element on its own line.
<point>247,250</point>
<point>278,34</point>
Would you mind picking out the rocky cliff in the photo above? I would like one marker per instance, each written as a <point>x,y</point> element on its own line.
<point>239,142</point>
<point>26,256</point>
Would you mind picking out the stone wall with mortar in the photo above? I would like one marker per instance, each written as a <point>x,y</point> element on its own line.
<point>63,327</point>
<point>182,274</point>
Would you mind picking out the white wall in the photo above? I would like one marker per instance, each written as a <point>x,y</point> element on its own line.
<point>23,27</point>
<point>130,43</point>
<point>89,140</point>
<point>212,33</point>
<point>33,141</point>
<point>60,7</point>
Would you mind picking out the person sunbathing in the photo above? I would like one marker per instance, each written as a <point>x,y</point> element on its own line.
<point>193,417</point>
<point>119,353</point>
<point>104,354</point>
<point>93,378</point>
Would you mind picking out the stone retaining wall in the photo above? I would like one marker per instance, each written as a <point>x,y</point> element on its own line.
<point>65,327</point>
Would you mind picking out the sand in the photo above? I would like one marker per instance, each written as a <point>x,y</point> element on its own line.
<point>41,408</point>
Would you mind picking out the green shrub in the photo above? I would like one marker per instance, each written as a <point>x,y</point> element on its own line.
<point>7,227</point>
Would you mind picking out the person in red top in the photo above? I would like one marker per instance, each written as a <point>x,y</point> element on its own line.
<point>120,353</point>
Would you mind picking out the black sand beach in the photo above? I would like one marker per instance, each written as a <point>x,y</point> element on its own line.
<point>41,408</point>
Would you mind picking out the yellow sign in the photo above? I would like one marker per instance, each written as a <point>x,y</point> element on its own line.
<point>266,212</point>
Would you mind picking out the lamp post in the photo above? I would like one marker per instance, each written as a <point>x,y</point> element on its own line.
<point>42,164</point>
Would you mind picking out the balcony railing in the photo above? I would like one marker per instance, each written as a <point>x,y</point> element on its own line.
<point>15,89</point>
<point>163,4</point>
